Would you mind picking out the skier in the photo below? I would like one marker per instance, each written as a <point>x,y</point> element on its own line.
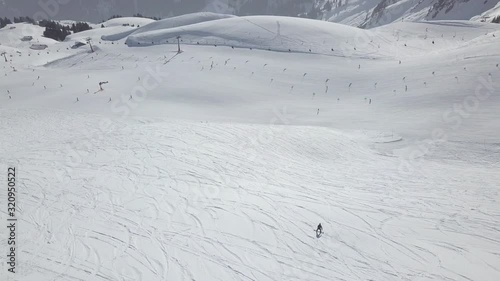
<point>102,83</point>
<point>319,229</point>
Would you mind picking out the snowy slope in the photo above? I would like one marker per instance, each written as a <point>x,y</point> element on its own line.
<point>489,15</point>
<point>70,22</point>
<point>19,51</point>
<point>218,163</point>
<point>458,9</point>
<point>361,13</point>
<point>12,34</point>
<point>364,13</point>
<point>268,33</point>
<point>169,23</point>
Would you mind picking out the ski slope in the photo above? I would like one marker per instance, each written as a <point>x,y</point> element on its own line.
<point>218,163</point>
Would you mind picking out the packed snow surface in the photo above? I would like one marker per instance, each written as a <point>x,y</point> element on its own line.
<point>217,163</point>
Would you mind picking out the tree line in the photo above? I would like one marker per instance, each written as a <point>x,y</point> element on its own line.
<point>59,32</point>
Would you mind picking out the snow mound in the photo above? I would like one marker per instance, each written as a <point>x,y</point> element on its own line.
<point>169,23</point>
<point>268,33</point>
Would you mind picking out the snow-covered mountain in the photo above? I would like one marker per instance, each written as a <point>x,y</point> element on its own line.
<point>372,13</point>
<point>360,13</point>
<point>218,162</point>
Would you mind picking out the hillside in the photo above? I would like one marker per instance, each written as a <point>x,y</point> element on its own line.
<point>136,162</point>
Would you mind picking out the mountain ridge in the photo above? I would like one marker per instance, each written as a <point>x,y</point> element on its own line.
<point>359,13</point>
